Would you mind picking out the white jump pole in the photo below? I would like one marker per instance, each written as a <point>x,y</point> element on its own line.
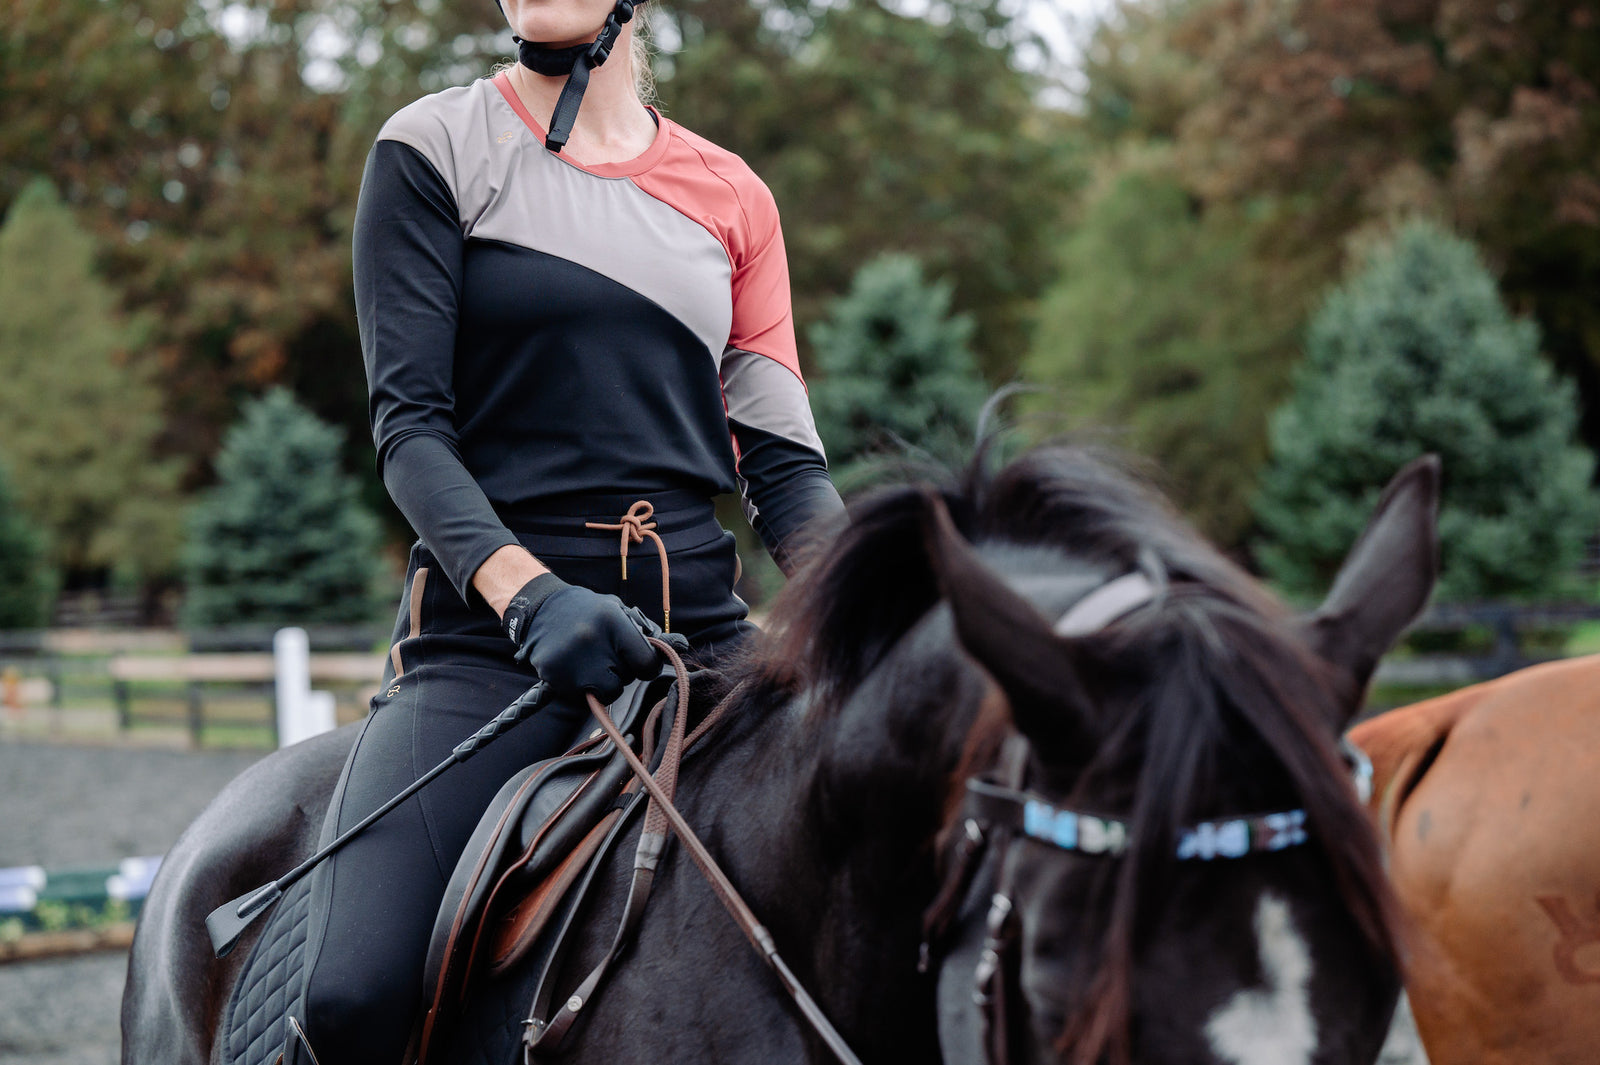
<point>302,713</point>
<point>319,712</point>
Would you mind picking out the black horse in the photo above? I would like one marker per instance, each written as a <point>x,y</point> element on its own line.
<point>1179,870</point>
<point>848,736</point>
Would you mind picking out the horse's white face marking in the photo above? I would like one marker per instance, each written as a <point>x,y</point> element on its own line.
<point>1271,1025</point>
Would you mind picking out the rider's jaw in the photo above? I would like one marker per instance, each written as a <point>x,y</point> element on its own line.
<point>558,23</point>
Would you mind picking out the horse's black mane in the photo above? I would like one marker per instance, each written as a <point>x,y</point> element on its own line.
<point>1215,678</point>
<point>866,584</point>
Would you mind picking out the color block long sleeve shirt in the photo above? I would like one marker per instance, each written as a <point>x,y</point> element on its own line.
<point>535,330</point>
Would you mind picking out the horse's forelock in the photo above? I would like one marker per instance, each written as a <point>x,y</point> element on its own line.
<point>1100,507</point>
<point>862,589</point>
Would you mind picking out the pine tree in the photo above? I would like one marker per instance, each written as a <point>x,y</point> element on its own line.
<point>1165,330</point>
<point>896,370</point>
<point>78,412</point>
<point>282,538</point>
<point>1417,353</point>
<point>966,172</point>
<point>26,581</point>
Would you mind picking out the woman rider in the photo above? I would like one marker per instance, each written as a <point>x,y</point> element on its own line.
<point>557,323</point>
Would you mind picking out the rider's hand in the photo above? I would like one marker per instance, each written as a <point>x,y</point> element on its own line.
<point>577,640</point>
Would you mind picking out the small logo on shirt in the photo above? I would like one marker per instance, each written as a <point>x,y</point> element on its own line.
<point>507,135</point>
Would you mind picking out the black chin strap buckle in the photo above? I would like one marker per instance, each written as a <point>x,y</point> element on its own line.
<point>600,50</point>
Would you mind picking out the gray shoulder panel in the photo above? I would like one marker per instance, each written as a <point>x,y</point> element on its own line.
<point>613,227</point>
<point>508,188</point>
<point>763,393</point>
<point>435,125</point>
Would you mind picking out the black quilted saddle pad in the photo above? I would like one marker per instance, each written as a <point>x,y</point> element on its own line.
<point>269,988</point>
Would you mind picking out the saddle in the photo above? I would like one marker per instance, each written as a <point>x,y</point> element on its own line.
<point>523,873</point>
<point>527,867</point>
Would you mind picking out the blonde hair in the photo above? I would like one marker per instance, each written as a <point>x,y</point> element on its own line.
<point>640,55</point>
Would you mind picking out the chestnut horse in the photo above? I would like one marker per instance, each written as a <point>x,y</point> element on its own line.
<point>1490,798</point>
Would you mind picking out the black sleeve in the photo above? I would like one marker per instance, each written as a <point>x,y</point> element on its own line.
<point>786,488</point>
<point>408,269</point>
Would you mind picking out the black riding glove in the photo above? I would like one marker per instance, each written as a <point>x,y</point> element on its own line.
<point>577,640</point>
<point>676,640</point>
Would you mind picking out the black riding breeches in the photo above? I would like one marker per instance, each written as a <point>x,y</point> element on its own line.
<point>450,671</point>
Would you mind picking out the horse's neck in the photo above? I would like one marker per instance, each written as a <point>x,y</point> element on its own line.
<point>887,762</point>
<point>873,776</point>
<point>856,797</point>
<point>827,823</point>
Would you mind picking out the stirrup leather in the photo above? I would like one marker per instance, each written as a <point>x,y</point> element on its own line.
<point>296,1047</point>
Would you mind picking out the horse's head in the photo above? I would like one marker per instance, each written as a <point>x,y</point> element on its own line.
<point>1180,866</point>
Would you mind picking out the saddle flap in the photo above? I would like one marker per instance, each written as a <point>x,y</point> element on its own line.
<point>521,880</point>
<point>628,713</point>
<point>537,815</point>
<point>526,806</point>
<point>550,784</point>
<point>528,916</point>
<point>554,842</point>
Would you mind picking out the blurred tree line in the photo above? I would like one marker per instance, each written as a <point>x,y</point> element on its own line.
<point>213,150</point>
<point>1152,257</point>
<point>216,152</point>
<point>1248,152</point>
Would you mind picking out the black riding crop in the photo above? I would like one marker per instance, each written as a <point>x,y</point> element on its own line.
<point>227,922</point>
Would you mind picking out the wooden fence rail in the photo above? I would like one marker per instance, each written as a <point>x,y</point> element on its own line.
<point>43,664</point>
<point>196,672</point>
<point>72,672</point>
<point>1509,625</point>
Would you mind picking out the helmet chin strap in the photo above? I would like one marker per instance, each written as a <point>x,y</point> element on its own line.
<point>577,62</point>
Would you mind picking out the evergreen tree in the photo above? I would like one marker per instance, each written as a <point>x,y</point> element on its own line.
<point>26,581</point>
<point>1165,329</point>
<point>1417,353</point>
<point>877,131</point>
<point>282,538</point>
<point>896,370</point>
<point>79,415</point>
<point>1352,116</point>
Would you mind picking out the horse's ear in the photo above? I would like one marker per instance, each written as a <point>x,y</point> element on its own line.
<point>1386,578</point>
<point>1039,671</point>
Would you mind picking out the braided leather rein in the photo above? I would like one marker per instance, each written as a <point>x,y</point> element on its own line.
<point>661,803</point>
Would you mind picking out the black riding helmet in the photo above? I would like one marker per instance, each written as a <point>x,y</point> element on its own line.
<point>576,62</point>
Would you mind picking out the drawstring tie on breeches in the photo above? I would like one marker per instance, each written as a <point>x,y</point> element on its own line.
<point>635,526</point>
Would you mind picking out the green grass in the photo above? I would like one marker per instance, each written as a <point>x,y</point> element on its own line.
<point>232,717</point>
<point>1584,639</point>
<point>229,718</point>
<point>1385,697</point>
<point>1468,640</point>
<point>60,915</point>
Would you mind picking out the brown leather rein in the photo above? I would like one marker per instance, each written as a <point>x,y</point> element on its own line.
<point>661,819</point>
